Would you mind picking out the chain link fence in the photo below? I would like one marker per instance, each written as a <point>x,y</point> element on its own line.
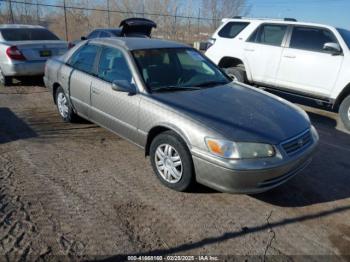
<point>76,18</point>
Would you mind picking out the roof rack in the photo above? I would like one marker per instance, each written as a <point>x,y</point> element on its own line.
<point>264,18</point>
<point>290,19</point>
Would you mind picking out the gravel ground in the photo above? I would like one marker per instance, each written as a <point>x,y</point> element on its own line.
<point>77,191</point>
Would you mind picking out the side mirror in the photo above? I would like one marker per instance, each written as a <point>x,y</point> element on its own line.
<point>123,86</point>
<point>83,38</point>
<point>333,48</point>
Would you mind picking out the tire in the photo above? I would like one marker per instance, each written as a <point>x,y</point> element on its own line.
<point>344,112</point>
<point>64,107</point>
<point>237,73</point>
<point>5,80</point>
<point>178,152</point>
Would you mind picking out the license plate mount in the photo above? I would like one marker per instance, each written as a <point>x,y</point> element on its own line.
<point>45,53</point>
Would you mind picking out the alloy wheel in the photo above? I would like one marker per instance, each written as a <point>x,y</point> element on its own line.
<point>168,163</point>
<point>62,104</point>
<point>233,77</point>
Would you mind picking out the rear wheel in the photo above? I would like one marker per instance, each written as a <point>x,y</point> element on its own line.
<point>64,107</point>
<point>237,74</point>
<point>344,112</point>
<point>5,80</point>
<point>171,161</point>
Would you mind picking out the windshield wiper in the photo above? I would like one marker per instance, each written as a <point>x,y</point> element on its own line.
<point>175,88</point>
<point>211,83</point>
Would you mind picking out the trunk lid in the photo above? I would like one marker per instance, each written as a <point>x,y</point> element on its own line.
<point>137,27</point>
<point>40,50</point>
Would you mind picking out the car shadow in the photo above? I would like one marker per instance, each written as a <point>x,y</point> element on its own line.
<point>212,240</point>
<point>28,81</point>
<point>12,127</point>
<point>328,176</point>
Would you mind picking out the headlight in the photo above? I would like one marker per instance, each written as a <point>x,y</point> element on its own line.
<point>239,150</point>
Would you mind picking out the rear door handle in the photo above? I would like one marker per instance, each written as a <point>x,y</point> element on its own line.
<point>249,49</point>
<point>95,91</point>
<point>289,56</point>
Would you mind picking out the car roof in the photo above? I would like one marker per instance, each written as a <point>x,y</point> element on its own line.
<point>136,43</point>
<point>19,26</point>
<point>270,20</point>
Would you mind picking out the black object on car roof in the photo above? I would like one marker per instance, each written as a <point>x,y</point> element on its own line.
<point>137,27</point>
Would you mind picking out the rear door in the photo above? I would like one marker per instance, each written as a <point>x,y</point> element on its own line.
<point>263,51</point>
<point>115,110</point>
<point>83,62</point>
<point>305,66</point>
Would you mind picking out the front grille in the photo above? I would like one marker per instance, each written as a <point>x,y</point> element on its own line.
<point>298,143</point>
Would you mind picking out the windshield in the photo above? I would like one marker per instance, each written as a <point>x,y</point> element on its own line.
<point>346,36</point>
<point>175,68</point>
<point>27,34</point>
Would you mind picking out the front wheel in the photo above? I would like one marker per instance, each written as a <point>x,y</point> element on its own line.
<point>64,107</point>
<point>344,112</point>
<point>171,161</point>
<point>237,74</point>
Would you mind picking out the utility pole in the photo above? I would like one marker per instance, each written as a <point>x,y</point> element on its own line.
<point>65,19</point>
<point>37,12</point>
<point>109,19</point>
<point>11,12</point>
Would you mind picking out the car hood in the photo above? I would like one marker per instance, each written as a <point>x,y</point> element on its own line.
<point>239,113</point>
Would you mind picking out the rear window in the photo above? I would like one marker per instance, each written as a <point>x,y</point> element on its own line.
<point>232,29</point>
<point>27,34</point>
<point>269,34</point>
<point>115,32</point>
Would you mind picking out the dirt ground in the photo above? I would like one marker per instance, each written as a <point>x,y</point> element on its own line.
<point>77,191</point>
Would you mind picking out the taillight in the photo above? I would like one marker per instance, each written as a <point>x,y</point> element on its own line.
<point>14,54</point>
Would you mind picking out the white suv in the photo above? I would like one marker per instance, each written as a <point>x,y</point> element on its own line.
<point>308,61</point>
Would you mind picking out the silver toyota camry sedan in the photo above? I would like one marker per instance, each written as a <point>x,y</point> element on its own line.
<point>188,116</point>
<point>24,50</point>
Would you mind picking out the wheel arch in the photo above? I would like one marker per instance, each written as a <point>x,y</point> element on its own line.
<point>55,86</point>
<point>161,128</point>
<point>341,97</point>
<point>230,61</point>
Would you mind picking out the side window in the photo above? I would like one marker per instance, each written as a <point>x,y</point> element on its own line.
<point>84,58</point>
<point>269,34</point>
<point>232,29</point>
<point>113,66</point>
<point>312,39</point>
<point>93,34</point>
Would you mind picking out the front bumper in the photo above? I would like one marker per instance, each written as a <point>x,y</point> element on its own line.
<point>23,68</point>
<point>256,176</point>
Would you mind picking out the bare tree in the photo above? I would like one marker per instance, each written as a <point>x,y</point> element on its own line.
<point>218,9</point>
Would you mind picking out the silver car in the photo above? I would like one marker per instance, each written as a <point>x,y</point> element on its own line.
<point>188,116</point>
<point>24,50</point>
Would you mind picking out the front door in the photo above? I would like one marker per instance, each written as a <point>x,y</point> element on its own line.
<point>305,66</point>
<point>115,110</point>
